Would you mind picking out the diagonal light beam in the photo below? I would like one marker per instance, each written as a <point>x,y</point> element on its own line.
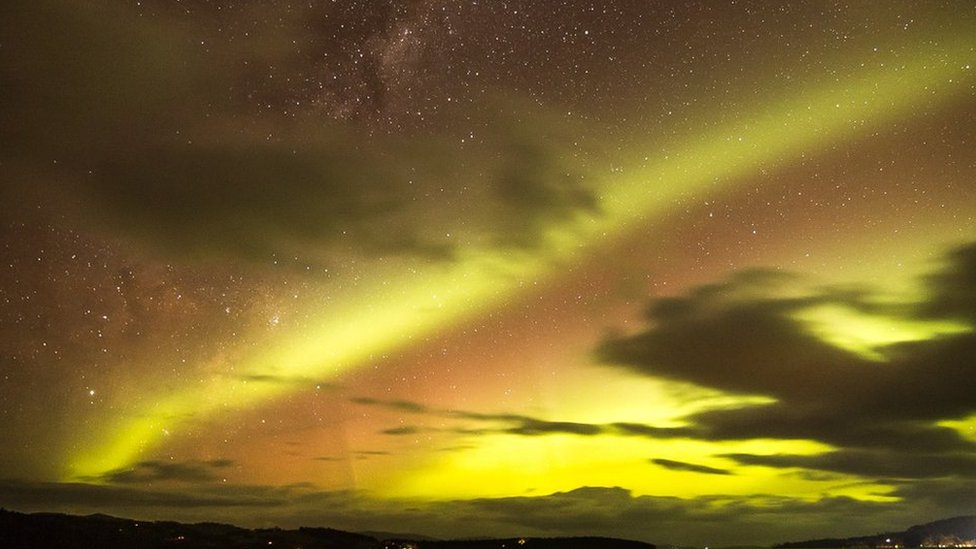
<point>382,317</point>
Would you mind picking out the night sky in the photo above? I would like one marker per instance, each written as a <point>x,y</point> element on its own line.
<point>685,272</point>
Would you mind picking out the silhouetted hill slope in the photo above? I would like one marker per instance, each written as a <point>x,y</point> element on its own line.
<point>51,530</point>
<point>397,535</point>
<point>958,531</point>
<point>961,528</point>
<point>44,530</point>
<point>537,543</point>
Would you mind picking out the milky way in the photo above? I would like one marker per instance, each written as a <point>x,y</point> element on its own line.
<point>694,272</point>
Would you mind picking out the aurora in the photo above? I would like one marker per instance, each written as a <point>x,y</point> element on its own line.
<point>624,270</point>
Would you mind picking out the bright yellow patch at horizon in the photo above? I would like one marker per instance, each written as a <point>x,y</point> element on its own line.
<point>380,316</point>
<point>508,465</point>
<point>866,335</point>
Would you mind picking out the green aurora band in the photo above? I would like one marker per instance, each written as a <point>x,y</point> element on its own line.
<point>390,312</point>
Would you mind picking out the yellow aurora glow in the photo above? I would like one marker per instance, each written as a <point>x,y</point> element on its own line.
<point>691,273</point>
<point>380,316</point>
<point>867,335</point>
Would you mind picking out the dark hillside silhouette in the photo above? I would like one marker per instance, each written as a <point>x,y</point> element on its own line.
<point>51,530</point>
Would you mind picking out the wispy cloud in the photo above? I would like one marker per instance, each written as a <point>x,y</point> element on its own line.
<point>691,467</point>
<point>162,471</point>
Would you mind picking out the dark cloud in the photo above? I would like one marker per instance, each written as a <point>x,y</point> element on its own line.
<point>919,464</point>
<point>954,287</point>
<point>268,378</point>
<point>138,127</point>
<point>690,467</point>
<point>54,496</point>
<point>786,420</point>
<point>162,471</point>
<point>745,336</point>
<point>534,427</point>
<point>260,201</point>
<point>730,337</point>
<point>940,493</point>
<point>402,431</point>
<point>514,424</point>
<point>517,424</point>
<point>639,429</point>
<point>402,405</point>
<point>538,187</point>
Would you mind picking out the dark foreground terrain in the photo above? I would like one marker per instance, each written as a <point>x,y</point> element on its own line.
<point>50,530</point>
<point>953,532</point>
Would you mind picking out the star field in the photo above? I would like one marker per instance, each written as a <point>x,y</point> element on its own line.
<point>686,272</point>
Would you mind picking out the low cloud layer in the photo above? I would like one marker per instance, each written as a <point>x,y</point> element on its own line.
<point>606,511</point>
<point>164,471</point>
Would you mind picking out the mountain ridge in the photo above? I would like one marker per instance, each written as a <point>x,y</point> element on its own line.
<point>43,530</point>
<point>957,531</point>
